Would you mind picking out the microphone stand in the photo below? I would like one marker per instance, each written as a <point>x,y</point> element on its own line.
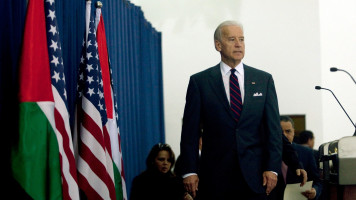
<point>320,88</point>
<point>334,69</point>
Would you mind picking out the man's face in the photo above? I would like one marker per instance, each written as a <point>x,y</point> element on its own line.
<point>232,45</point>
<point>288,130</point>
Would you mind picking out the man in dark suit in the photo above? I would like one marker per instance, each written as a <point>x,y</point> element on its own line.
<point>291,161</point>
<point>306,138</point>
<point>306,158</point>
<point>238,110</point>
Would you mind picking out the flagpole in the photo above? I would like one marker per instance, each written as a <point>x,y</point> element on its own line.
<point>98,6</point>
<point>87,19</point>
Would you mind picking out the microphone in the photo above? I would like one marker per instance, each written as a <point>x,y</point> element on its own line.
<point>320,88</point>
<point>334,69</point>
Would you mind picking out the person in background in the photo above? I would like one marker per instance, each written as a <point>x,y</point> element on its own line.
<point>306,138</point>
<point>158,181</point>
<point>238,108</point>
<point>289,159</point>
<point>306,157</point>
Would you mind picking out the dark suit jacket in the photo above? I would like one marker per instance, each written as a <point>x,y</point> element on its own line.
<point>254,142</point>
<point>290,155</point>
<point>290,158</point>
<point>316,157</point>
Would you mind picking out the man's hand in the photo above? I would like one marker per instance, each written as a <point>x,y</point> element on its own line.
<point>269,180</point>
<point>310,194</point>
<point>304,175</point>
<point>191,184</point>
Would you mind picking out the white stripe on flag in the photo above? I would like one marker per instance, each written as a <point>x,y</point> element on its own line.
<point>90,109</point>
<point>48,110</point>
<point>97,18</point>
<point>116,145</point>
<point>89,140</point>
<point>94,181</point>
<point>109,161</point>
<point>113,132</point>
<point>62,109</point>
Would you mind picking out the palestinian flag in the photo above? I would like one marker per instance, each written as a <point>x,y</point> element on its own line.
<point>43,160</point>
<point>111,108</point>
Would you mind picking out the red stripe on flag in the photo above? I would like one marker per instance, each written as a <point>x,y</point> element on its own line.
<point>122,160</point>
<point>95,165</point>
<point>65,190</point>
<point>107,140</point>
<point>86,153</point>
<point>98,168</point>
<point>60,125</point>
<point>93,128</point>
<point>85,186</point>
<point>104,64</point>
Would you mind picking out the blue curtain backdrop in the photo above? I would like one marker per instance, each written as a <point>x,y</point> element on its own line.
<point>136,60</point>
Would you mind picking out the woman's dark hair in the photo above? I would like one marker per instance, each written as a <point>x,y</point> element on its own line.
<point>154,152</point>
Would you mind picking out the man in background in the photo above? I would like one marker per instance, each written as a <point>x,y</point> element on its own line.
<point>306,157</point>
<point>306,138</point>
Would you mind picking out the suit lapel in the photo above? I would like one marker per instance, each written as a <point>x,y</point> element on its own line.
<point>217,84</point>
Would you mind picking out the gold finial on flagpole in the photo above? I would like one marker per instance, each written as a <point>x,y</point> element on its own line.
<point>99,4</point>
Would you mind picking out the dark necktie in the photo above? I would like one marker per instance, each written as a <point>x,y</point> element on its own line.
<point>235,96</point>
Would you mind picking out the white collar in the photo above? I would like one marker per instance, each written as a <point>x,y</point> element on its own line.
<point>226,68</point>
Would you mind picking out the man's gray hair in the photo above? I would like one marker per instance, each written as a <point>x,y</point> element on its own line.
<point>217,33</point>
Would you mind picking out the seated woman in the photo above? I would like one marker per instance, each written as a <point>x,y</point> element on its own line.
<point>158,181</point>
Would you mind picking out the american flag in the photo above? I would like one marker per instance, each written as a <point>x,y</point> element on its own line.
<point>70,188</point>
<point>94,160</point>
